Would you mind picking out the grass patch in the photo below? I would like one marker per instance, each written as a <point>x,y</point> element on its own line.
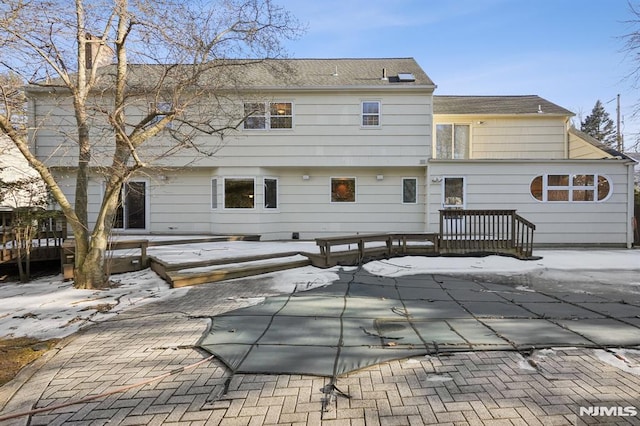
<point>16,353</point>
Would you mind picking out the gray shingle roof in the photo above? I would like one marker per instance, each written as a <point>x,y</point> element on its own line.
<point>275,74</point>
<point>318,73</point>
<point>509,105</point>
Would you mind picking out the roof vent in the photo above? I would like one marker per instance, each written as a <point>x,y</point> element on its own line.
<point>384,74</point>
<point>335,73</point>
<point>406,77</point>
<point>540,109</point>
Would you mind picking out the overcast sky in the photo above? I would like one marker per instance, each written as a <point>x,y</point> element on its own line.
<point>567,51</point>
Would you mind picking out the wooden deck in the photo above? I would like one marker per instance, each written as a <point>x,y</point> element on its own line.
<point>46,245</point>
<point>462,232</point>
<point>486,231</point>
<point>354,249</point>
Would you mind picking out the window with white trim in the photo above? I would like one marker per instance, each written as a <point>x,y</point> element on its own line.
<point>589,188</point>
<point>343,190</point>
<point>453,193</point>
<point>159,108</point>
<point>409,190</point>
<point>452,141</point>
<point>239,193</point>
<point>268,115</point>
<point>214,193</point>
<point>270,193</point>
<point>370,114</point>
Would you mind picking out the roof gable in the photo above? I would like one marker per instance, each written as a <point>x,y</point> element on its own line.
<point>599,145</point>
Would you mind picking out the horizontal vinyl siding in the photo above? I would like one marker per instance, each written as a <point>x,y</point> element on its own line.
<point>580,149</point>
<point>326,132</point>
<point>181,203</point>
<point>513,138</point>
<point>304,205</point>
<point>505,185</point>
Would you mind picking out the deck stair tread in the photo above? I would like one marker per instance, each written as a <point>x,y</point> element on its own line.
<point>200,272</point>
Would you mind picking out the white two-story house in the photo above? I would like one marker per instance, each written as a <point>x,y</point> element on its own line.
<point>345,146</point>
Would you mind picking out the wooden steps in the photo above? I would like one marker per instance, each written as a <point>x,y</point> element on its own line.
<point>193,273</point>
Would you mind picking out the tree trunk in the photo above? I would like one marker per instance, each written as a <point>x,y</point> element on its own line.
<point>90,263</point>
<point>91,274</point>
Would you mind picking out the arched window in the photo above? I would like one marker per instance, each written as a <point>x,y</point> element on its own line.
<point>570,188</point>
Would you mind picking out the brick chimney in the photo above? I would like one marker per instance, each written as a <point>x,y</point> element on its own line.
<point>92,58</point>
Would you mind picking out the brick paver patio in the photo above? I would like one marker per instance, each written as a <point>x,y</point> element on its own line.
<point>544,387</point>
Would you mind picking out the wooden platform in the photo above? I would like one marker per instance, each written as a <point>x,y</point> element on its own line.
<point>193,273</point>
<point>355,249</point>
<point>130,263</point>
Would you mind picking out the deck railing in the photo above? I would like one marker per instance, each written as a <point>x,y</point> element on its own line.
<point>485,231</point>
<point>46,244</point>
<point>353,249</point>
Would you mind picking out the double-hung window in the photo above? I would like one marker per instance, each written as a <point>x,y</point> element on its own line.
<point>268,115</point>
<point>370,114</point>
<point>452,141</point>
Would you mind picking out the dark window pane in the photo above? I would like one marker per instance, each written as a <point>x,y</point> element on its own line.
<point>135,205</point>
<point>270,193</point>
<point>239,193</point>
<point>454,191</point>
<point>409,190</point>
<point>281,122</point>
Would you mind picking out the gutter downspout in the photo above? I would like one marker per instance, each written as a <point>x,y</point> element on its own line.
<point>427,195</point>
<point>567,126</point>
<point>630,203</point>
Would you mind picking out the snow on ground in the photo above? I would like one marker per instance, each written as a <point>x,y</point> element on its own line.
<point>49,307</point>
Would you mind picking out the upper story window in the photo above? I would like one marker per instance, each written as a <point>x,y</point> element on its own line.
<point>452,141</point>
<point>281,116</point>
<point>370,114</point>
<point>159,108</point>
<point>268,115</point>
<point>570,188</point>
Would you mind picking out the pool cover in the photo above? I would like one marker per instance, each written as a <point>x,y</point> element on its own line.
<point>363,319</point>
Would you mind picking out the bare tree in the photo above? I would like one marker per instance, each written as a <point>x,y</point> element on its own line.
<point>129,71</point>
<point>632,50</point>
